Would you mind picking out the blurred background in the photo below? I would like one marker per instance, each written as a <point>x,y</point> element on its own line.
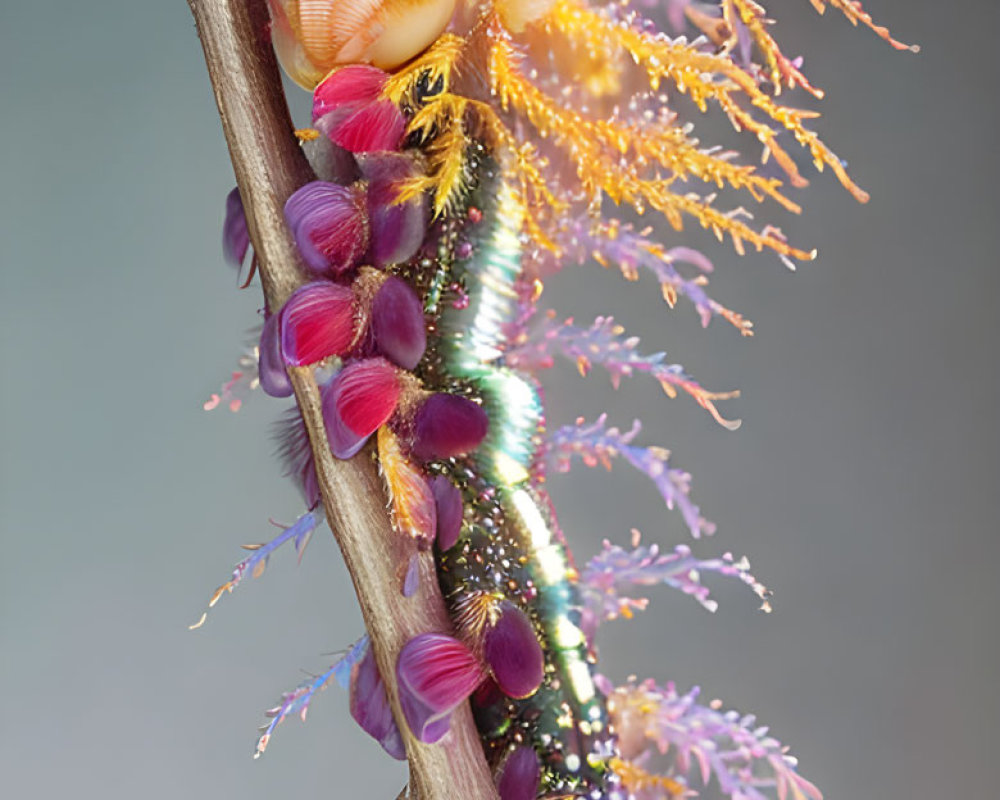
<point>863,484</point>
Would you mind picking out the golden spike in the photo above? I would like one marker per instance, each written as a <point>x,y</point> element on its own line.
<point>856,14</point>
<point>438,62</point>
<point>442,121</point>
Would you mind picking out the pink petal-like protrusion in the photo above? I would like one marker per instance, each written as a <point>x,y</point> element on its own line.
<point>448,500</point>
<point>270,366</point>
<point>435,674</point>
<point>359,399</point>
<point>372,127</point>
<point>398,323</point>
<point>351,86</point>
<point>448,425</point>
<point>370,706</point>
<point>398,229</point>
<point>519,775</point>
<point>235,235</point>
<point>513,652</point>
<point>330,226</point>
<point>318,321</point>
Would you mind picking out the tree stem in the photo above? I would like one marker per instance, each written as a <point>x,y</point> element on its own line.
<point>269,166</point>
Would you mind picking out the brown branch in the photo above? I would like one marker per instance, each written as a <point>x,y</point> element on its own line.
<point>269,166</point>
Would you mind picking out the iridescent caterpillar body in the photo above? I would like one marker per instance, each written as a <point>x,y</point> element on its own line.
<point>510,546</point>
<point>464,153</point>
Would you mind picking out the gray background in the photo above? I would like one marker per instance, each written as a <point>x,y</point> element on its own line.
<point>863,484</point>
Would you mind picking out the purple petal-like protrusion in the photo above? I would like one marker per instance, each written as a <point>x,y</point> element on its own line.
<point>330,161</point>
<point>397,229</point>
<point>448,425</point>
<point>398,323</point>
<point>317,321</point>
<point>513,652</point>
<point>330,226</point>
<point>359,399</point>
<point>518,777</point>
<point>235,235</point>
<point>270,366</point>
<point>435,673</point>
<point>370,707</point>
<point>448,500</point>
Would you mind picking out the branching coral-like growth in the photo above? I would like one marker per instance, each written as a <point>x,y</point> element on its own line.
<point>596,444</point>
<point>617,245</point>
<point>610,576</point>
<point>604,343</point>
<point>858,16</point>
<point>782,70</point>
<point>254,565</point>
<point>703,77</point>
<point>704,743</point>
<point>297,701</point>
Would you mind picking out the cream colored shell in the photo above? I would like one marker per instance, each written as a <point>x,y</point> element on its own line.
<point>311,37</point>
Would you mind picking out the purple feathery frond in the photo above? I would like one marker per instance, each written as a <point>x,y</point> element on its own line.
<point>242,382</point>
<point>612,574</point>
<point>605,343</point>
<point>747,763</point>
<point>597,444</point>
<point>612,243</point>
<point>296,455</point>
<point>299,532</point>
<point>235,234</point>
<point>297,701</point>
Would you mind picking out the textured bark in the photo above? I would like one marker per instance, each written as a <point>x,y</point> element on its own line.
<point>269,166</point>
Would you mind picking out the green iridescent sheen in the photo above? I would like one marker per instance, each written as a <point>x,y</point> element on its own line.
<point>511,545</point>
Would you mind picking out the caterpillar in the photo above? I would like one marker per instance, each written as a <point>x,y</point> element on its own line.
<point>564,719</point>
<point>463,153</point>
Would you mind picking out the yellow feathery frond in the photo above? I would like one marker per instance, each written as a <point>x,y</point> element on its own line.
<point>689,69</point>
<point>591,143</point>
<point>437,63</point>
<point>524,162</point>
<point>598,74</point>
<point>440,123</point>
<point>410,496</point>
<point>437,115</point>
<point>781,68</point>
<point>660,196</point>
<point>448,156</point>
<point>635,778</point>
<point>856,14</point>
<point>672,148</point>
<point>671,204</point>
